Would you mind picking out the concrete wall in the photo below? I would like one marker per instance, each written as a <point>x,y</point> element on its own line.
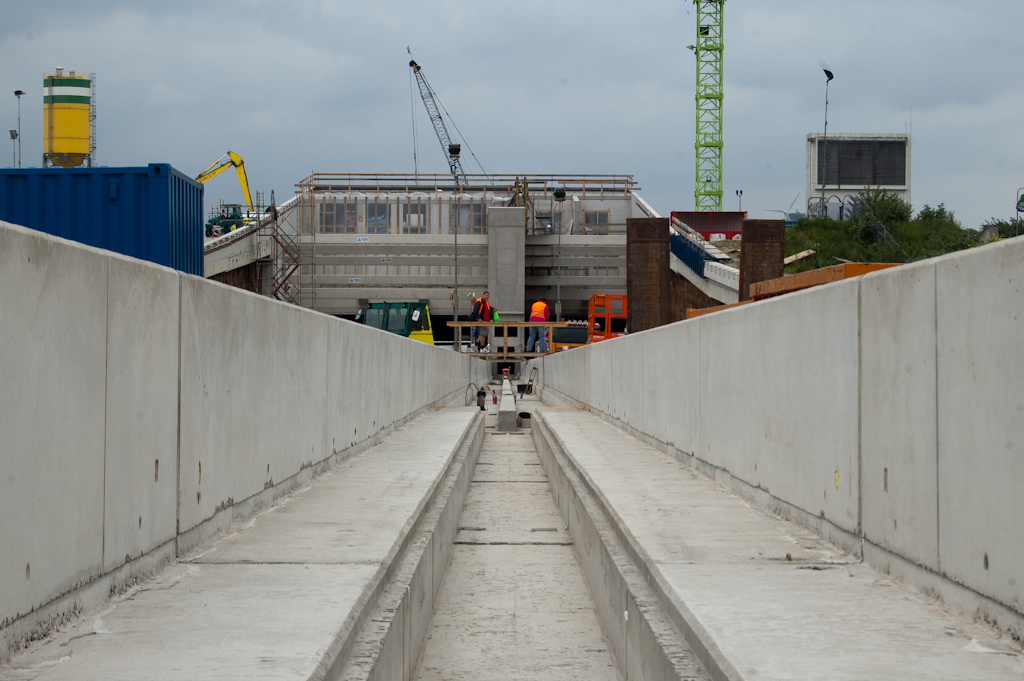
<point>886,409</point>
<point>123,380</point>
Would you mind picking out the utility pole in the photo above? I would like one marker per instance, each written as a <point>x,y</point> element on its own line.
<point>560,197</point>
<point>453,154</point>
<point>824,145</point>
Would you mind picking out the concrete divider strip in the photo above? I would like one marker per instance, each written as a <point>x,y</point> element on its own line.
<point>648,642</point>
<point>390,628</point>
<point>507,408</point>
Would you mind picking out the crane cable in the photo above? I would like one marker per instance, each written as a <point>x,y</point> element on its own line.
<point>439,103</point>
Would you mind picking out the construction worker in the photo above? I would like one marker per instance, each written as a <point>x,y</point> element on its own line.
<point>538,313</point>
<point>482,312</point>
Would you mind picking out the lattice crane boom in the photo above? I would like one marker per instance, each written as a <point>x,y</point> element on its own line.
<point>710,52</point>
<point>451,150</point>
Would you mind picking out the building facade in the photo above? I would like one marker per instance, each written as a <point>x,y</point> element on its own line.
<point>347,239</point>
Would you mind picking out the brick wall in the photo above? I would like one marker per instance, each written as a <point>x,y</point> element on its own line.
<point>647,267</point>
<point>763,250</point>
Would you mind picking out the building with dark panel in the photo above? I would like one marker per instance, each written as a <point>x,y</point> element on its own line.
<point>843,165</point>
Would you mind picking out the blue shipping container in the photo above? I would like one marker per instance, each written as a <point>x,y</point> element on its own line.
<point>153,213</point>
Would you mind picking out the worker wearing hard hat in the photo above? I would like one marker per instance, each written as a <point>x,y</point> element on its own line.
<point>538,313</point>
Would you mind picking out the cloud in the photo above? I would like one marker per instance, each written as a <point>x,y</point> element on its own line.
<point>573,86</point>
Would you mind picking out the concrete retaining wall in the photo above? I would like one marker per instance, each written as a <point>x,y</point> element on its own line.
<point>886,410</point>
<point>142,409</point>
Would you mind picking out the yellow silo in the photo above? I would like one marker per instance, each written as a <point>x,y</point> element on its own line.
<point>67,118</point>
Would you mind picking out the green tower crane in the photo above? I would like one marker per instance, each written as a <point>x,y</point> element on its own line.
<point>710,50</point>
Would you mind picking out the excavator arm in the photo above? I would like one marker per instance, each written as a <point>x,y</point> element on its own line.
<point>221,164</point>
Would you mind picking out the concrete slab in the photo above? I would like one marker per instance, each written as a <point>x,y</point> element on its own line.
<point>334,525</point>
<point>141,462</point>
<point>207,621</point>
<point>270,599</point>
<point>980,331</point>
<point>53,303</point>
<point>777,602</point>
<point>899,431</point>
<point>785,621</point>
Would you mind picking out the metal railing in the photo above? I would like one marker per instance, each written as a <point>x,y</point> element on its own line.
<point>689,253</point>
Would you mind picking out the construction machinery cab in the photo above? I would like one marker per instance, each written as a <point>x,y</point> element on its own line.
<point>411,320</point>
<point>231,216</point>
<point>572,336</point>
<point>227,218</point>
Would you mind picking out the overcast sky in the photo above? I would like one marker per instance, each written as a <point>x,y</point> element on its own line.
<point>564,86</point>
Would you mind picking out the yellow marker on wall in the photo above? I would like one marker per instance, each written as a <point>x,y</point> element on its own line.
<point>837,479</point>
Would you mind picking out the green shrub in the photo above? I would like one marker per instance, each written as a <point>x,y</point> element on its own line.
<point>885,232</point>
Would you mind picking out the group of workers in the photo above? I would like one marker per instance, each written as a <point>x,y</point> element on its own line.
<point>483,312</point>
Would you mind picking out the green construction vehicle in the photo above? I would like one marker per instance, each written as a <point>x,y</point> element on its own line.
<point>411,320</point>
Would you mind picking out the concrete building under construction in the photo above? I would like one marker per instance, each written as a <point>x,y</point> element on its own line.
<point>347,239</point>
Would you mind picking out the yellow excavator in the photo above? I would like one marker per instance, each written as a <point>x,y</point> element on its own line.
<point>230,216</point>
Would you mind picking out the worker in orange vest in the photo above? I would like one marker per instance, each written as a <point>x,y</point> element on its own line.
<point>482,312</point>
<point>538,313</point>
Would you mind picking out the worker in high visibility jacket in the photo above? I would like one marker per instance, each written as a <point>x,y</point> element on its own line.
<point>482,312</point>
<point>538,313</point>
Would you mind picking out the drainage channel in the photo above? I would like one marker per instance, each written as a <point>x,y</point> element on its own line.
<point>513,603</point>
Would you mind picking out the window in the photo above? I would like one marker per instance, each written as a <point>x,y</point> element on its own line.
<point>377,216</point>
<point>595,221</point>
<point>337,217</point>
<point>549,223</point>
<point>396,319</point>
<point>374,317</point>
<point>419,320</point>
<point>470,217</point>
<point>415,214</point>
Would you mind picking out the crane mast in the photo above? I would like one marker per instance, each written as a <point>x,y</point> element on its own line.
<point>451,151</point>
<point>710,50</point>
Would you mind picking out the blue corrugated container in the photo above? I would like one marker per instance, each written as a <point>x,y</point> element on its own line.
<point>153,213</point>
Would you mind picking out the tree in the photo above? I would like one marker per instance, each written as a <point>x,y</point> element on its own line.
<point>882,229</point>
<point>888,208</point>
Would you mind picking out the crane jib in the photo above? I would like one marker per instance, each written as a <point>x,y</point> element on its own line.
<point>451,151</point>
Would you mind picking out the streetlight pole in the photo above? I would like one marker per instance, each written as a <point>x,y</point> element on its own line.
<point>453,151</point>
<point>824,144</point>
<point>739,195</point>
<point>560,197</point>
<point>18,94</point>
